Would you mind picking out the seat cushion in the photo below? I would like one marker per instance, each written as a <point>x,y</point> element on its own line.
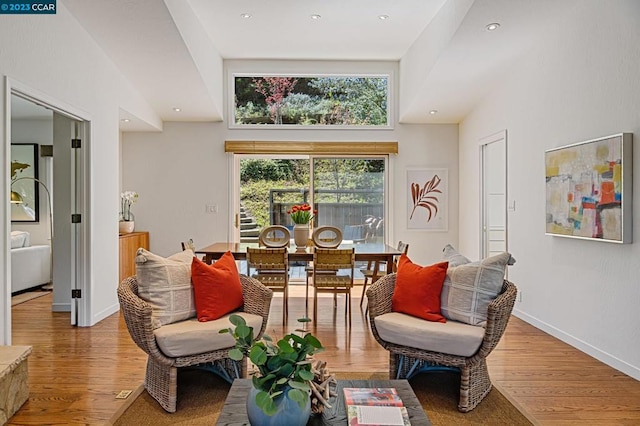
<point>165,283</point>
<point>217,287</point>
<point>192,337</point>
<point>451,337</point>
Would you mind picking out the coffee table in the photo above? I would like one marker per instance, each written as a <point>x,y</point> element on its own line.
<point>234,411</point>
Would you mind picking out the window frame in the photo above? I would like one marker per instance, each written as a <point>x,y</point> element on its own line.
<point>389,75</point>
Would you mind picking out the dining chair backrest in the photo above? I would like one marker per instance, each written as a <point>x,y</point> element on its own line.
<point>404,249</point>
<point>274,236</point>
<point>325,259</point>
<point>268,259</point>
<point>327,237</point>
<point>188,245</point>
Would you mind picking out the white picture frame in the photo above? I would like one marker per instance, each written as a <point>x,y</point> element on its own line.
<point>428,199</point>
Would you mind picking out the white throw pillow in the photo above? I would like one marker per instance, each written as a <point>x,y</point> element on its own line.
<point>20,239</point>
<point>165,283</point>
<point>469,287</point>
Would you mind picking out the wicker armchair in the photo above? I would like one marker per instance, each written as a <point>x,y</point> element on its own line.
<point>405,361</point>
<point>162,371</point>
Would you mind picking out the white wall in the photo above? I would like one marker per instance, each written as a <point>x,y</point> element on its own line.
<point>580,82</point>
<point>54,56</point>
<point>178,171</point>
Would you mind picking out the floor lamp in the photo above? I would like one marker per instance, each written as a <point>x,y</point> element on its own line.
<point>16,198</point>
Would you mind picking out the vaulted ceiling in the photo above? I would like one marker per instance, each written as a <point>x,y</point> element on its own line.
<point>173,50</point>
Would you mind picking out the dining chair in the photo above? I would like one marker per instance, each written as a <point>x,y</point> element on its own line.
<point>327,265</point>
<point>373,269</point>
<point>323,237</point>
<point>271,266</point>
<point>188,245</point>
<point>274,236</point>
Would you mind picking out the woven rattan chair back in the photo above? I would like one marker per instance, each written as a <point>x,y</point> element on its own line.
<point>275,236</point>
<point>271,268</point>
<point>374,270</point>
<point>333,273</point>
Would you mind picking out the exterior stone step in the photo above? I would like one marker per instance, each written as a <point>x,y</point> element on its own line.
<point>248,225</point>
<point>249,233</point>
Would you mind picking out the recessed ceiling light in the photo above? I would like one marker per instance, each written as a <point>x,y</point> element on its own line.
<point>245,15</point>
<point>383,17</point>
<point>433,112</point>
<point>315,17</point>
<point>177,109</point>
<point>493,26</point>
<point>125,120</point>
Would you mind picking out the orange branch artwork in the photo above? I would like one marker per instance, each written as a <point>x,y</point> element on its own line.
<point>426,197</point>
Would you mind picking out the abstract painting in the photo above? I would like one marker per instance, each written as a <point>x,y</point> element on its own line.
<point>588,189</point>
<point>427,199</point>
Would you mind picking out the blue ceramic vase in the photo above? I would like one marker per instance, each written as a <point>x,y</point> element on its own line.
<point>289,412</point>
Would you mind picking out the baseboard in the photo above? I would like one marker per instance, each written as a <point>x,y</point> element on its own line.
<point>583,346</point>
<point>105,313</point>
<point>61,307</point>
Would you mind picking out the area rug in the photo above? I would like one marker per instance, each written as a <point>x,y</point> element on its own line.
<point>201,396</point>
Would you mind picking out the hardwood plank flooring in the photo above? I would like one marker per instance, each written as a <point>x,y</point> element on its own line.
<point>75,373</point>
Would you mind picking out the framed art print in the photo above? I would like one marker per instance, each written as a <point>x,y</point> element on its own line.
<point>427,199</point>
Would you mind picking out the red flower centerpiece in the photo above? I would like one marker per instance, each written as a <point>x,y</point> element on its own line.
<point>301,215</point>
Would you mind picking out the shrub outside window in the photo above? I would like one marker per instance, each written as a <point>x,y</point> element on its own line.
<point>316,101</point>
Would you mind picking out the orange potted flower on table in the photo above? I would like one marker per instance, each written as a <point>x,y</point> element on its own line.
<point>301,215</point>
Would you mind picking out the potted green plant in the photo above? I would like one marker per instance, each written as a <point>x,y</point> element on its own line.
<point>284,373</point>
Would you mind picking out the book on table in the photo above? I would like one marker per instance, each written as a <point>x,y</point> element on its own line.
<point>375,406</point>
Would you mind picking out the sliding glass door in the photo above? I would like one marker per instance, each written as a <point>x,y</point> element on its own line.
<point>347,192</point>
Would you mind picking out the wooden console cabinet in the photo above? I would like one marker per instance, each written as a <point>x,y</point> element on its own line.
<point>129,245</point>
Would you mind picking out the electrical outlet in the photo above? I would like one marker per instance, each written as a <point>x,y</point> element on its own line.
<point>520,296</point>
<point>123,394</point>
<point>211,208</point>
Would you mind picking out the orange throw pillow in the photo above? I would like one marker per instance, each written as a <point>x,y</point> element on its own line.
<point>217,289</point>
<point>418,289</point>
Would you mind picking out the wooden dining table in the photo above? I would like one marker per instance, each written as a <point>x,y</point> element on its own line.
<point>374,252</point>
<point>363,252</point>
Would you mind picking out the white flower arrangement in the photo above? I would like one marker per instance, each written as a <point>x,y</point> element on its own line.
<point>126,199</point>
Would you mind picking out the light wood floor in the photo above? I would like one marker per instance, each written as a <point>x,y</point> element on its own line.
<point>75,373</point>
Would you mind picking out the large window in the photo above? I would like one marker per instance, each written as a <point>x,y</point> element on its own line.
<point>318,101</point>
<point>347,192</point>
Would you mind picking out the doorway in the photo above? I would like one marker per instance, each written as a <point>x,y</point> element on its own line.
<point>59,134</point>
<point>493,194</point>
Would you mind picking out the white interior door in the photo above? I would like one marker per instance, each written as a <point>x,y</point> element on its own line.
<point>493,189</point>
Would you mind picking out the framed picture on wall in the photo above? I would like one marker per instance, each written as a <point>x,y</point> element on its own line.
<point>588,189</point>
<point>24,185</point>
<point>427,199</point>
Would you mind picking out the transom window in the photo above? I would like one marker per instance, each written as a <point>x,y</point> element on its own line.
<point>311,101</point>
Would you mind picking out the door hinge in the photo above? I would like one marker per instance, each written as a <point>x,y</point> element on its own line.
<point>76,218</point>
<point>76,294</point>
<point>76,143</point>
